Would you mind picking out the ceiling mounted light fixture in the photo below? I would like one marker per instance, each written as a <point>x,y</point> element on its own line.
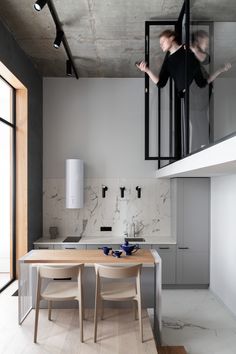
<point>39,4</point>
<point>60,35</point>
<point>69,71</point>
<point>58,39</point>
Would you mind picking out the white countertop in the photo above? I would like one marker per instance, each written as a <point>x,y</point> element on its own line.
<point>108,240</point>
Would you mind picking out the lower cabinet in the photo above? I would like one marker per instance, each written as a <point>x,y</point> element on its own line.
<point>192,267</point>
<point>180,265</point>
<point>168,256</point>
<point>59,247</point>
<point>44,247</point>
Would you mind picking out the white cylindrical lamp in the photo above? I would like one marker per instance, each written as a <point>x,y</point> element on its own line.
<point>74,183</point>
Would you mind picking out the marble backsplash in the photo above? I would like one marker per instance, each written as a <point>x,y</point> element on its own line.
<point>150,213</point>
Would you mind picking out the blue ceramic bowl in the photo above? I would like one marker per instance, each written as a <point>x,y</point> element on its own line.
<point>117,253</point>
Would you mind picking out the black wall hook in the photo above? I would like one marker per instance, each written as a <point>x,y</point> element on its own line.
<point>104,189</point>
<point>122,192</point>
<point>138,189</point>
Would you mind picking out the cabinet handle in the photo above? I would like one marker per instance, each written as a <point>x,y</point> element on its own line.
<point>183,248</point>
<point>43,248</point>
<point>164,248</point>
<point>70,248</point>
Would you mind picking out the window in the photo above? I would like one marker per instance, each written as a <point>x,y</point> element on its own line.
<point>7,184</point>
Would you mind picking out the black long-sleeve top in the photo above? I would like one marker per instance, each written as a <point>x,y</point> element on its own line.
<point>174,67</point>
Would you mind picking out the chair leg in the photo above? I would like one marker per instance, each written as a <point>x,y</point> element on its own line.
<point>95,318</point>
<point>82,301</point>
<point>81,314</point>
<point>135,310</point>
<point>49,310</point>
<point>102,309</point>
<point>36,321</point>
<point>140,319</point>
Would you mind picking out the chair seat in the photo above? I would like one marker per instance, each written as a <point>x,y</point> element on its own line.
<point>61,290</point>
<point>118,291</point>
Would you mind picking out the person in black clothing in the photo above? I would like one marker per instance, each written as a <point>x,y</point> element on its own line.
<point>174,66</point>
<point>199,98</point>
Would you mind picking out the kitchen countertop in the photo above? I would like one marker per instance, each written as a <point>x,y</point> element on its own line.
<point>109,240</point>
<point>85,256</point>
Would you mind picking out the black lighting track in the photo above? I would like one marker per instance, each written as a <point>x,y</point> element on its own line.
<point>64,40</point>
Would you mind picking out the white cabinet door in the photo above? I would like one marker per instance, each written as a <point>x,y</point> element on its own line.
<point>168,257</point>
<point>192,267</point>
<point>190,225</point>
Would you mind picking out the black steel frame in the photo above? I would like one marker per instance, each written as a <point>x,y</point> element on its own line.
<point>178,140</point>
<point>13,126</point>
<point>147,125</point>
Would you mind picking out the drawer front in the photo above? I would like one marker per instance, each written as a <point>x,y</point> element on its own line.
<point>43,247</point>
<point>68,246</point>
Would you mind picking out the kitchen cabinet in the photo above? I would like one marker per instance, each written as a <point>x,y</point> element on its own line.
<point>168,257</point>
<point>69,246</point>
<point>46,246</point>
<point>166,251</point>
<point>190,226</point>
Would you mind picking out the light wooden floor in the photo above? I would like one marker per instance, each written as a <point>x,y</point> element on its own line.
<point>117,333</point>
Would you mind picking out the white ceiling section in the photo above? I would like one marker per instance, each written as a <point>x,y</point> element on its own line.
<point>106,37</point>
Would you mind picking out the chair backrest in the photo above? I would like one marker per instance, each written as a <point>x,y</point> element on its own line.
<point>57,272</point>
<point>118,272</point>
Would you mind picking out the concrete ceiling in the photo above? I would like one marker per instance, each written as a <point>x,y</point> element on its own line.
<point>106,37</point>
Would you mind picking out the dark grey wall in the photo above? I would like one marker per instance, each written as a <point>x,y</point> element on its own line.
<point>19,64</point>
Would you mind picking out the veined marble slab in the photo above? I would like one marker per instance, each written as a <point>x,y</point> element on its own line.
<point>150,213</point>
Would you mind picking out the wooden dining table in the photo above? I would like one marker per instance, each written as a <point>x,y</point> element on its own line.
<point>150,279</point>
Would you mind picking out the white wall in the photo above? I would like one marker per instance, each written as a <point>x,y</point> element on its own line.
<point>102,122</point>
<point>223,239</point>
<point>98,120</point>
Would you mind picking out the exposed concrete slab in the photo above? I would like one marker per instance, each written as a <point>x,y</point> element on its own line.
<point>106,37</point>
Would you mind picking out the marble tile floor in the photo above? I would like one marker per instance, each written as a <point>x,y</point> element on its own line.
<point>198,321</point>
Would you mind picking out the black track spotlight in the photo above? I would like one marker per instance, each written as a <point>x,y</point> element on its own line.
<point>69,71</point>
<point>58,39</point>
<point>39,4</point>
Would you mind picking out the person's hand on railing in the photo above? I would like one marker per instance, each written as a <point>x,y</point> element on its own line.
<point>142,65</point>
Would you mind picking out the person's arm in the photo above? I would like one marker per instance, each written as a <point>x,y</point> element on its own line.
<point>143,67</point>
<point>213,76</point>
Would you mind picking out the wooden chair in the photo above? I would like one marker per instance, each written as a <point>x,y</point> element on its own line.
<point>56,290</point>
<point>119,290</point>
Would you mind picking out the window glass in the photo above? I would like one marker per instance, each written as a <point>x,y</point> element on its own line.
<point>5,101</point>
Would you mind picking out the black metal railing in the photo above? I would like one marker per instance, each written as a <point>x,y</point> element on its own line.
<point>196,120</point>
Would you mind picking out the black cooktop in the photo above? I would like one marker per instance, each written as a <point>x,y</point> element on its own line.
<point>72,239</point>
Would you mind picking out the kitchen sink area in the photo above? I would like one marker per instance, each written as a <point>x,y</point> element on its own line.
<point>135,239</point>
<point>72,239</point>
